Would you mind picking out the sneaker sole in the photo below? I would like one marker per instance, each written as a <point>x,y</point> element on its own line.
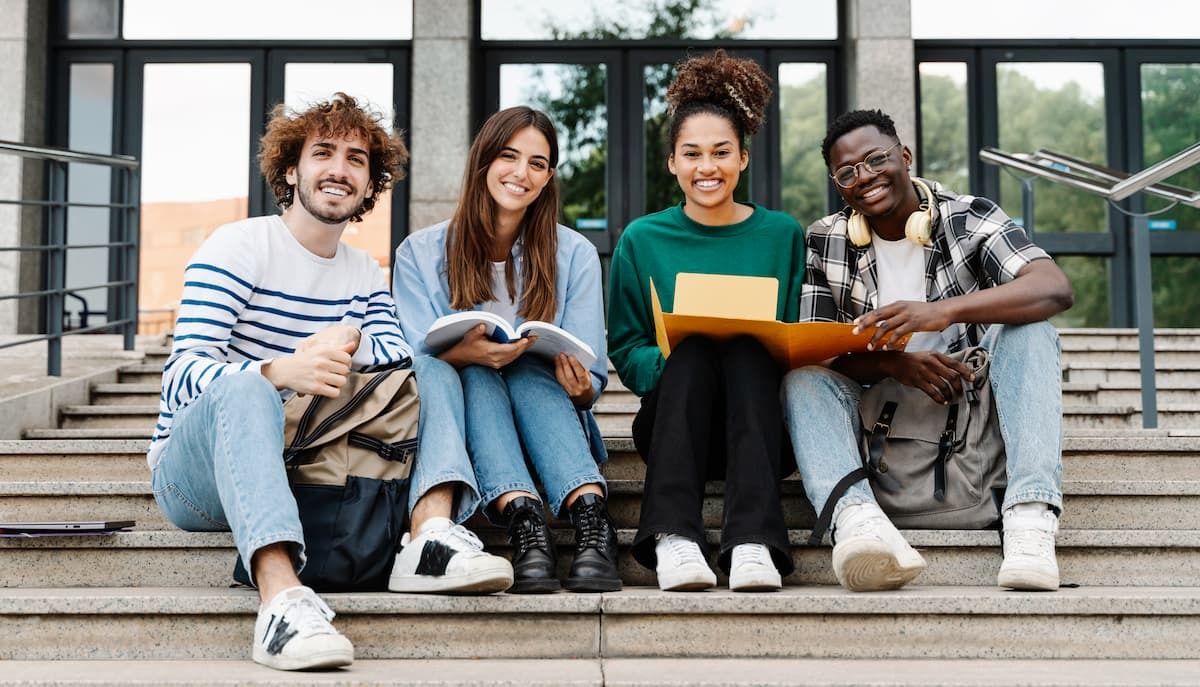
<point>1027,580</point>
<point>870,566</point>
<point>688,580</point>
<point>758,582</point>
<point>326,659</point>
<point>479,582</point>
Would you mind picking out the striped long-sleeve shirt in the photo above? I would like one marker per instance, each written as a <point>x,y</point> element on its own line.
<point>252,293</point>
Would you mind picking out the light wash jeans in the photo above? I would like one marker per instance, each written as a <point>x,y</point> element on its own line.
<point>222,469</point>
<point>822,417</point>
<point>518,410</point>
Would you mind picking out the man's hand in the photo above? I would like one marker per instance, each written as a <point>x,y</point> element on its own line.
<point>574,378</point>
<point>319,369</point>
<point>337,335</point>
<point>895,320</point>
<point>937,374</point>
<point>477,349</point>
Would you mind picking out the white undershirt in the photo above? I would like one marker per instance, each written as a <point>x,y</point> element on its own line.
<point>900,276</point>
<point>500,304</point>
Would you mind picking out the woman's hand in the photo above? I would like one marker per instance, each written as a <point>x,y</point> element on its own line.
<point>574,378</point>
<point>477,349</point>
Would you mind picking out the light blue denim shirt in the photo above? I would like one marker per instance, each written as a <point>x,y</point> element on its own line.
<point>422,294</point>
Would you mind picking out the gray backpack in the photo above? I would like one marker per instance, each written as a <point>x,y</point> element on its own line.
<point>931,466</point>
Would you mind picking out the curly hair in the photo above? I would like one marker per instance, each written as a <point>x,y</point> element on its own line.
<point>856,119</point>
<point>736,89</point>
<point>341,115</point>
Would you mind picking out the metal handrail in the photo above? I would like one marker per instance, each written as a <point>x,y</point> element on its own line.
<point>1115,186</point>
<point>124,210</point>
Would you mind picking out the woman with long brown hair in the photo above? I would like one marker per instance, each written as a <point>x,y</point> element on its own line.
<point>503,252</point>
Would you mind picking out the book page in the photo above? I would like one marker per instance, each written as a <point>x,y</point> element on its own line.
<point>552,340</point>
<point>448,330</point>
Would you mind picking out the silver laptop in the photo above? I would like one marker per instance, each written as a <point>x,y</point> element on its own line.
<point>65,527</point>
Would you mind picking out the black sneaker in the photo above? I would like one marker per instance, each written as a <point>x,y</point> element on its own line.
<point>535,568</point>
<point>595,566</point>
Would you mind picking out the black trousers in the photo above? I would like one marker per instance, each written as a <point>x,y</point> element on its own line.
<point>715,414</point>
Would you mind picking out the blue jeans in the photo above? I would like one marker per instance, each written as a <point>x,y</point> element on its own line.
<point>222,469</point>
<point>822,416</point>
<point>518,410</point>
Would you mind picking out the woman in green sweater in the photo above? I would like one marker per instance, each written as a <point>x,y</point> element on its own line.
<point>711,410</point>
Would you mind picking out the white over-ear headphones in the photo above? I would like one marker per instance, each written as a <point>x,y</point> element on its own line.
<point>917,229</point>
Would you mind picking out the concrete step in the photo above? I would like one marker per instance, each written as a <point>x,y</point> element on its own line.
<point>1157,558</point>
<point>81,434</point>
<point>79,459</point>
<point>1108,394</point>
<point>819,622</point>
<point>1088,504</point>
<point>125,394</point>
<point>617,672</point>
<point>144,373</point>
<point>1128,373</point>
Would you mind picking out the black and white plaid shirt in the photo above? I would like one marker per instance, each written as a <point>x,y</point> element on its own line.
<point>975,246</point>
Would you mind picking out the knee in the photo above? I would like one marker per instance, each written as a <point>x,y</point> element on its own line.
<point>436,379</point>
<point>1026,337</point>
<point>695,349</point>
<point>246,386</point>
<point>810,382</point>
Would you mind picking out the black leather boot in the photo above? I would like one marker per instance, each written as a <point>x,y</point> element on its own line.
<point>595,566</point>
<point>535,569</point>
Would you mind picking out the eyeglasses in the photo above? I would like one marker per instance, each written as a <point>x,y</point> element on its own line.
<point>875,163</point>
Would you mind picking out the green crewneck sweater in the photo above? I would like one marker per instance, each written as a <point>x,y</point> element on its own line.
<point>661,245</point>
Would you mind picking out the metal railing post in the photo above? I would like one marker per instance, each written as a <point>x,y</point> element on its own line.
<point>1143,300</point>
<point>129,265</point>
<point>56,264</point>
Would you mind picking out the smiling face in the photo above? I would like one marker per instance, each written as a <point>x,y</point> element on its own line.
<point>887,197</point>
<point>707,161</point>
<point>519,173</point>
<point>332,177</point>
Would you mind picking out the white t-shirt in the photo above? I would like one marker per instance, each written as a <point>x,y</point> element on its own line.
<point>900,276</point>
<point>501,304</point>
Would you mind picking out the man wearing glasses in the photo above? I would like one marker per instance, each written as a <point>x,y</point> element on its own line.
<point>909,257</point>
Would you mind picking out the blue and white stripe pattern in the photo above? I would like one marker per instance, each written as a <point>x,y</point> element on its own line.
<point>251,293</point>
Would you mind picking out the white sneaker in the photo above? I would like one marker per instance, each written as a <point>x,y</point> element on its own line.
<point>681,566</point>
<point>752,570</point>
<point>445,557</point>
<point>870,554</point>
<point>1029,561</point>
<point>293,633</point>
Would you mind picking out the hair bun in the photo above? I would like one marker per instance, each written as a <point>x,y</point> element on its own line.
<point>737,84</point>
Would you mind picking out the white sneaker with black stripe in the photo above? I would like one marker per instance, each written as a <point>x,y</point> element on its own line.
<point>445,557</point>
<point>293,633</point>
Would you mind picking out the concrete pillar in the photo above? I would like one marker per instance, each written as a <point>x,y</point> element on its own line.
<point>882,72</point>
<point>441,112</point>
<point>22,116</point>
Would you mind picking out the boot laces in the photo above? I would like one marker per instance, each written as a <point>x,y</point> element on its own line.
<point>591,527</point>
<point>525,533</point>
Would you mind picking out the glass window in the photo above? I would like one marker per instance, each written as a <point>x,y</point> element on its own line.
<point>268,20</point>
<point>92,19</point>
<point>1176,298</point>
<point>195,171</point>
<point>1169,124</point>
<point>1058,106</point>
<point>802,115</point>
<point>933,19</point>
<point>1089,277</point>
<point>89,130</point>
<point>944,152</point>
<point>574,96</point>
<point>632,19</point>
<point>372,85</point>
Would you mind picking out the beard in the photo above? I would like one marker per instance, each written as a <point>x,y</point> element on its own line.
<point>309,200</point>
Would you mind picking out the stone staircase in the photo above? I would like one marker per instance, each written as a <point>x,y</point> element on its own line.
<point>154,605</point>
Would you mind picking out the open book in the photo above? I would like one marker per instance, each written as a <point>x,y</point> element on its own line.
<point>723,306</point>
<point>551,340</point>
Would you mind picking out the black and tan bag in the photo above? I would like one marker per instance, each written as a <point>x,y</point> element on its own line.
<point>348,461</point>
<point>931,466</point>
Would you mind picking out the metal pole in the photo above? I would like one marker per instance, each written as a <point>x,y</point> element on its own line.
<point>129,263</point>
<point>1144,312</point>
<point>1027,205</point>
<point>56,266</point>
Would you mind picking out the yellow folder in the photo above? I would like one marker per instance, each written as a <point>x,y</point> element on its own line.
<point>723,306</point>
